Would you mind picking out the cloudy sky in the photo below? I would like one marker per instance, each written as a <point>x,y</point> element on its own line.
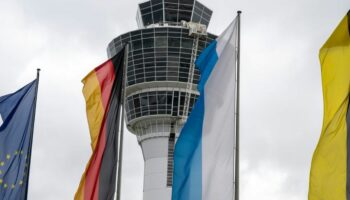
<point>281,113</point>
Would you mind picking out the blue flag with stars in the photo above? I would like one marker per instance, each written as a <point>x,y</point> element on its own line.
<point>17,113</point>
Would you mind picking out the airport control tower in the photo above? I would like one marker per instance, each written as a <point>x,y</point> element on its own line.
<point>162,81</point>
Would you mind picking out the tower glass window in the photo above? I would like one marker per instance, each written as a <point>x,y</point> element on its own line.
<point>160,52</point>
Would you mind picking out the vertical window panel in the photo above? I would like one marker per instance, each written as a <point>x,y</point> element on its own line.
<point>158,16</point>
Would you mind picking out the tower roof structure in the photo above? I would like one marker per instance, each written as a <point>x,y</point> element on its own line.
<point>172,12</point>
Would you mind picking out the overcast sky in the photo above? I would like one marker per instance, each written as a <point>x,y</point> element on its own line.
<point>281,94</point>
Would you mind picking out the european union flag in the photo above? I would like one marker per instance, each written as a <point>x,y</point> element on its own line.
<point>17,113</point>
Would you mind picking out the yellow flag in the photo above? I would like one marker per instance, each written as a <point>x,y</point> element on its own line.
<point>329,174</point>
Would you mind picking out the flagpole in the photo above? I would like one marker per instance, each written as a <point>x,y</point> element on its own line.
<point>237,105</point>
<point>120,157</point>
<point>31,133</point>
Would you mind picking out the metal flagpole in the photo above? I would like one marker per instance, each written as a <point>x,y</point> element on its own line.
<point>120,157</point>
<point>237,105</point>
<point>31,133</point>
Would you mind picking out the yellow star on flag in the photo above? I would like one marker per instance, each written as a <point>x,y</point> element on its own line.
<point>1,181</point>
<point>8,156</point>
<point>2,163</point>
<point>20,182</point>
<point>5,185</point>
<point>13,186</point>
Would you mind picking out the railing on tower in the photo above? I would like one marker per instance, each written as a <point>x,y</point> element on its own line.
<point>195,30</point>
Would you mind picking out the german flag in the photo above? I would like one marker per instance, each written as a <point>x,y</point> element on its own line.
<point>330,168</point>
<point>103,94</point>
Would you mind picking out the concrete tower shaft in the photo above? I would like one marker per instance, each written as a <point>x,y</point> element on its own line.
<point>161,84</point>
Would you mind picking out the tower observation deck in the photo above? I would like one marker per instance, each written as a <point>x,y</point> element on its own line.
<point>161,81</point>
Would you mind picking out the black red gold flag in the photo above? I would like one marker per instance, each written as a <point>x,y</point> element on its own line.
<point>103,95</point>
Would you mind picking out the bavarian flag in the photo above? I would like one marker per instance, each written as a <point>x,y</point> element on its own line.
<point>17,113</point>
<point>330,168</point>
<point>103,92</point>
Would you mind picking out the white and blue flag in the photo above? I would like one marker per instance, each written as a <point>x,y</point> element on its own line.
<point>204,152</point>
